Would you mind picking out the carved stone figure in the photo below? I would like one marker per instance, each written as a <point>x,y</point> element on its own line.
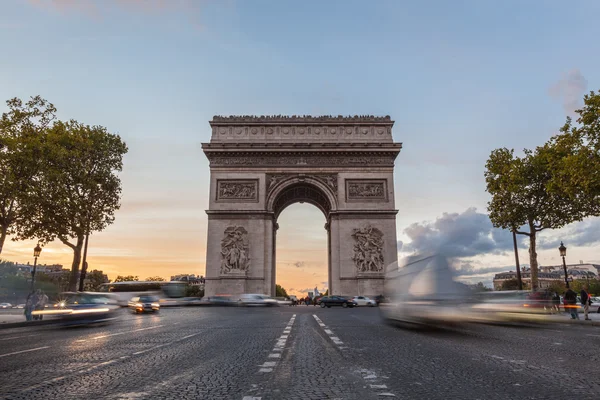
<point>235,251</point>
<point>237,190</point>
<point>368,249</point>
<point>330,180</point>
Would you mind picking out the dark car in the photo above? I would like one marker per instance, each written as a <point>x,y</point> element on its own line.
<point>82,308</point>
<point>144,304</point>
<point>328,301</point>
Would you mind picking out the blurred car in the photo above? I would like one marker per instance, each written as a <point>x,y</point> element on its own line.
<point>221,300</point>
<point>330,301</point>
<point>509,306</point>
<point>257,300</point>
<point>423,291</point>
<point>364,301</point>
<point>82,308</point>
<point>142,304</point>
<point>282,301</point>
<point>19,306</point>
<point>5,305</point>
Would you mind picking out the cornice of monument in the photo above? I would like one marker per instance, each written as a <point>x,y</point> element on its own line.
<point>301,120</point>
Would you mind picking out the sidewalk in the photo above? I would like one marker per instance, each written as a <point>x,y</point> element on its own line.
<point>11,318</point>
<point>566,319</point>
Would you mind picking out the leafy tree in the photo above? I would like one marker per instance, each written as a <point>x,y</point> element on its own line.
<point>512,284</point>
<point>77,190</point>
<point>155,278</point>
<point>21,131</point>
<point>526,198</point>
<point>128,278</point>
<point>480,287</point>
<point>280,291</point>
<point>194,291</point>
<point>94,279</point>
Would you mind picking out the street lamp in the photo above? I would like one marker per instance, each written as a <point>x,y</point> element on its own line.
<point>36,253</point>
<point>563,254</point>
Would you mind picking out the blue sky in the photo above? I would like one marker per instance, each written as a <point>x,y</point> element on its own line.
<point>460,78</point>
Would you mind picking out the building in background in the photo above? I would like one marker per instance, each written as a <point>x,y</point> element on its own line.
<point>549,274</point>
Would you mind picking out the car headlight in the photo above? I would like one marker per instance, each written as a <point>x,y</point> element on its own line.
<point>155,305</point>
<point>139,305</point>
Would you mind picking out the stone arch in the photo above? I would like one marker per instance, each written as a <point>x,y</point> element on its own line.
<point>301,190</point>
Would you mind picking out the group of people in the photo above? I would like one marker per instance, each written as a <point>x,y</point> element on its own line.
<point>36,301</point>
<point>570,302</point>
<point>305,301</point>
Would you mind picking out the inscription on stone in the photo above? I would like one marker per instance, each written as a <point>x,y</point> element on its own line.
<point>368,249</point>
<point>239,190</point>
<point>371,190</point>
<point>235,256</point>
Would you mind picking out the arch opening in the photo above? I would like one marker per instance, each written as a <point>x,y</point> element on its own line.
<point>301,192</point>
<point>302,251</point>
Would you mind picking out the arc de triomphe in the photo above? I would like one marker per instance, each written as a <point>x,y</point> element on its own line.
<point>260,165</point>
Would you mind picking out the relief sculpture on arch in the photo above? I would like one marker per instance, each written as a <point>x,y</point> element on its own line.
<point>235,251</point>
<point>368,250</point>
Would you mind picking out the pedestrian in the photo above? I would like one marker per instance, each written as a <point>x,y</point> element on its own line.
<point>556,301</point>
<point>586,301</point>
<point>40,303</point>
<point>29,306</point>
<point>570,300</point>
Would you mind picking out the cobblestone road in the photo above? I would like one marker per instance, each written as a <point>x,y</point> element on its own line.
<point>295,353</point>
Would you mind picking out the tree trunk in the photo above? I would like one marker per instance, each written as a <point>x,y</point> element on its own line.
<point>3,231</point>
<point>533,264</point>
<point>74,278</point>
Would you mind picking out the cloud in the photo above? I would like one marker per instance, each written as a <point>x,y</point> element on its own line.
<point>466,234</point>
<point>579,234</point>
<point>570,90</point>
<point>467,269</point>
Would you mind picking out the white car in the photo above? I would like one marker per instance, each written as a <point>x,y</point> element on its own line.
<point>364,301</point>
<point>256,300</point>
<point>5,305</point>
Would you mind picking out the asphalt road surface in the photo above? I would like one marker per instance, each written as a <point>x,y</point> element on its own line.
<point>295,353</point>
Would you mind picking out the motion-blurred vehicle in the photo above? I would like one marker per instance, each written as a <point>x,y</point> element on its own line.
<point>221,300</point>
<point>168,292</point>
<point>19,306</point>
<point>282,301</point>
<point>510,306</point>
<point>82,308</point>
<point>5,305</point>
<point>331,301</point>
<point>424,292</point>
<point>257,300</point>
<point>143,304</point>
<point>364,301</point>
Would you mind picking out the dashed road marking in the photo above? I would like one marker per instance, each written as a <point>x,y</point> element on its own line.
<point>589,334</point>
<point>119,333</point>
<point>338,342</point>
<point>279,346</point>
<point>23,351</point>
<point>18,337</point>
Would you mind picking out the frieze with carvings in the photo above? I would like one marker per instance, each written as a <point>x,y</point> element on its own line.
<point>368,250</point>
<point>235,251</point>
<point>299,119</point>
<point>349,161</point>
<point>367,189</point>
<point>237,190</point>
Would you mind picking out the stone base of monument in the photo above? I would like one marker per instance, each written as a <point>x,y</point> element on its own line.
<point>365,284</point>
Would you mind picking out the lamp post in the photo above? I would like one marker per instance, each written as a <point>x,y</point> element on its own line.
<point>519,280</point>
<point>563,254</point>
<point>36,253</point>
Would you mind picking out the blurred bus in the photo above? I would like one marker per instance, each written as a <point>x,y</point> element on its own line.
<point>124,291</point>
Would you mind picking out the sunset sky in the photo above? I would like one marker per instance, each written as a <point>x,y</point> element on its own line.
<point>460,78</point>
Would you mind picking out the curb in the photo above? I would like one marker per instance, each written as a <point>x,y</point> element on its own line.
<point>8,325</point>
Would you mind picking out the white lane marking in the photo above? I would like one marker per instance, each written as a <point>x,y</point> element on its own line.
<point>251,398</point>
<point>279,346</point>
<point>589,334</point>
<point>269,364</point>
<point>23,351</point>
<point>338,342</point>
<point>119,333</point>
<point>19,337</point>
<point>378,386</point>
<point>150,349</point>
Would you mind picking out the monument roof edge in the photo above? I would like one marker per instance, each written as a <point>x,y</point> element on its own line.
<point>299,119</point>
